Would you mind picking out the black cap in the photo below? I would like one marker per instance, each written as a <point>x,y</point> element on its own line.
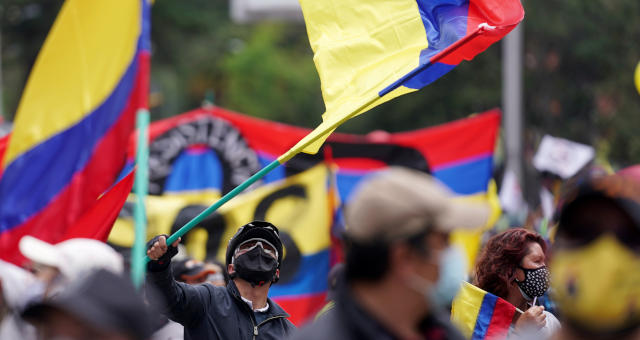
<point>622,190</point>
<point>103,300</point>
<point>256,229</point>
<point>186,267</point>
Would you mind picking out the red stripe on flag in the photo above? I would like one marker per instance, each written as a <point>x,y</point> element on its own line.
<point>103,214</point>
<point>461,139</point>
<point>302,308</point>
<point>4,142</point>
<point>501,320</point>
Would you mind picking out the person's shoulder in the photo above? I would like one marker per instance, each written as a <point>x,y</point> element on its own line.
<point>218,297</point>
<point>322,328</point>
<point>439,326</point>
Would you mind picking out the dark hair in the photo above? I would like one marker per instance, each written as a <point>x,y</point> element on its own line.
<point>369,261</point>
<point>503,253</point>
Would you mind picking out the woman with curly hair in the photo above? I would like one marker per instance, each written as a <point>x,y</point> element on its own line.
<point>512,266</point>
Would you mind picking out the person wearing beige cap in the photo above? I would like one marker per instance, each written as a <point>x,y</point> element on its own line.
<point>400,270</point>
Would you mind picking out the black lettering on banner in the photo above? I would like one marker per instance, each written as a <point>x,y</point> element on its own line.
<point>239,161</point>
<point>389,154</point>
<point>292,255</point>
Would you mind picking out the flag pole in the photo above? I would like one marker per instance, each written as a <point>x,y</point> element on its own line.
<point>138,251</point>
<point>311,137</point>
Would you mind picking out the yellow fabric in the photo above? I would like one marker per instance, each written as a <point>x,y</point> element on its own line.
<point>86,53</point>
<point>360,48</point>
<point>637,77</point>
<point>307,220</point>
<point>598,285</point>
<point>161,212</point>
<point>466,307</point>
<point>470,240</point>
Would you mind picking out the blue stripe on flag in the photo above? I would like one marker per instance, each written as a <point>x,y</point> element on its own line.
<point>347,181</point>
<point>187,170</point>
<point>484,317</point>
<point>276,174</point>
<point>56,160</point>
<point>310,278</point>
<point>467,177</point>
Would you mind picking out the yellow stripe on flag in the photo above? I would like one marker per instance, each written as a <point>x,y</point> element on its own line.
<point>360,48</point>
<point>81,62</point>
<point>470,240</point>
<point>466,307</point>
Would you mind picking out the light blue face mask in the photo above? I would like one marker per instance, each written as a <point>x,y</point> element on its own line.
<point>452,272</point>
<point>453,267</point>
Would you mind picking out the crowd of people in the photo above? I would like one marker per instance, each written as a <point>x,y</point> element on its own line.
<point>398,280</point>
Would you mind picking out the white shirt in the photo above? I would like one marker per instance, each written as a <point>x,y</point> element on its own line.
<point>551,326</point>
<point>250,303</point>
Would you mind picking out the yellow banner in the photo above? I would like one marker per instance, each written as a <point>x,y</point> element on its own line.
<point>300,206</point>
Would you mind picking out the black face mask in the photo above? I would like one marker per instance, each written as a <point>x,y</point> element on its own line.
<point>536,282</point>
<point>256,267</point>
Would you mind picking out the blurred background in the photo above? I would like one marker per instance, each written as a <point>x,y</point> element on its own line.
<point>578,59</point>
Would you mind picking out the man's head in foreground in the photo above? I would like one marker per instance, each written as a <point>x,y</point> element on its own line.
<point>103,305</point>
<point>398,225</point>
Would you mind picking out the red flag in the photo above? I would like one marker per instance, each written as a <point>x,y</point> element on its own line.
<point>98,221</point>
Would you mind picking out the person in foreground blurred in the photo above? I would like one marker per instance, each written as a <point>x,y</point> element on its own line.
<point>102,306</point>
<point>57,265</point>
<point>192,271</point>
<point>596,260</point>
<point>512,266</point>
<point>241,310</point>
<point>397,250</point>
<point>15,283</point>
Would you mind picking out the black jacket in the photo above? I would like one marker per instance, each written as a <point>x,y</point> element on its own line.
<point>349,321</point>
<point>209,312</point>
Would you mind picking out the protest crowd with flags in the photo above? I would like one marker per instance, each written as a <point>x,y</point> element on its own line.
<point>215,224</point>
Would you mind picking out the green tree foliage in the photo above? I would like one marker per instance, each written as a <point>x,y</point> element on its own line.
<point>273,70</point>
<point>580,58</point>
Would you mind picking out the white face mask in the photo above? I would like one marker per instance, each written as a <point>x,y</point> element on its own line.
<point>452,266</point>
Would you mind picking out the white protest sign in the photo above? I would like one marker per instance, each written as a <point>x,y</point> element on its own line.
<point>562,157</point>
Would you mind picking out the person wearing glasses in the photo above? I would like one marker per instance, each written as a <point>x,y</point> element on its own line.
<point>241,310</point>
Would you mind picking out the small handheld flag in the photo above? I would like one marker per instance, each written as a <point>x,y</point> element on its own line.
<point>481,315</point>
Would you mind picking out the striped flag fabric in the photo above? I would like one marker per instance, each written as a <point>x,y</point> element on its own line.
<point>481,315</point>
<point>370,51</point>
<point>74,119</point>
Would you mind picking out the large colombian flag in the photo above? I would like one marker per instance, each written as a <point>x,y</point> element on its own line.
<point>481,315</point>
<point>74,119</point>
<point>370,51</point>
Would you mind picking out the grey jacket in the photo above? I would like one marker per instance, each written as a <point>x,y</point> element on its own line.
<point>348,320</point>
